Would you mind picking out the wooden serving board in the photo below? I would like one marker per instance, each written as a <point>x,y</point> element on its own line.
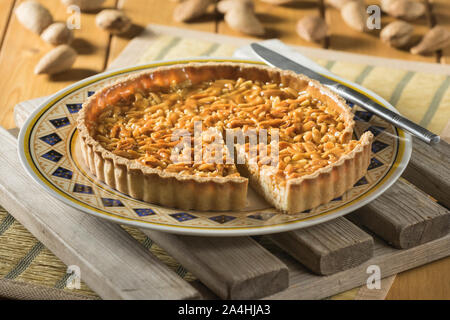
<point>311,263</point>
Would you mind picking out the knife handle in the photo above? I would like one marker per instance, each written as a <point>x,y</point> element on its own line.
<point>394,118</point>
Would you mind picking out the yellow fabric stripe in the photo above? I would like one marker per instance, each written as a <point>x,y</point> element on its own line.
<point>418,95</point>
<point>442,115</point>
<point>380,83</point>
<point>347,70</point>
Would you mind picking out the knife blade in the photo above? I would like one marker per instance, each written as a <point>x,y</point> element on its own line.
<point>275,59</point>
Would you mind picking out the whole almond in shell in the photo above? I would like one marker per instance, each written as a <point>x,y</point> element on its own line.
<point>354,15</point>
<point>403,9</point>
<point>435,39</point>
<point>33,16</point>
<point>85,5</point>
<point>397,34</point>
<point>190,9</point>
<point>57,33</point>
<point>338,4</point>
<point>312,28</point>
<point>57,60</point>
<point>114,21</point>
<point>240,16</point>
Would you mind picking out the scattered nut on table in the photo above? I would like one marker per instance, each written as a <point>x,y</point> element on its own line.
<point>403,9</point>
<point>280,2</point>
<point>354,15</point>
<point>312,28</point>
<point>190,9</point>
<point>397,34</point>
<point>33,16</point>
<point>338,4</point>
<point>85,5</point>
<point>113,21</point>
<point>57,60</point>
<point>240,16</point>
<point>57,33</point>
<point>435,39</point>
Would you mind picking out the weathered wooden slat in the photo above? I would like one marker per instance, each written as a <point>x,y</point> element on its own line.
<point>233,268</point>
<point>329,247</point>
<point>112,263</point>
<point>404,216</point>
<point>429,170</point>
<point>305,285</point>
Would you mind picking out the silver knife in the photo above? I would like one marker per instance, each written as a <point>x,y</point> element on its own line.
<point>274,59</point>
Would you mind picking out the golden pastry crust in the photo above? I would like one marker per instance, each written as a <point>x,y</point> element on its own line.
<point>190,191</point>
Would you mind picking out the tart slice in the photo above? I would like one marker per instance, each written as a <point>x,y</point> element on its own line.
<point>192,136</point>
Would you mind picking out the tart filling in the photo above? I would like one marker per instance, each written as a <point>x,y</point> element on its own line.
<point>172,127</point>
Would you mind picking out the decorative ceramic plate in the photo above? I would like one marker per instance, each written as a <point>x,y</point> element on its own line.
<point>49,152</point>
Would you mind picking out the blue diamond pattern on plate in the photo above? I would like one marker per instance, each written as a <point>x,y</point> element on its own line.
<point>51,139</point>
<point>182,216</point>
<point>337,199</point>
<point>350,104</point>
<point>108,202</point>
<point>222,219</point>
<point>261,216</point>
<point>144,212</point>
<point>90,93</point>
<point>374,163</point>
<point>361,182</point>
<point>63,173</point>
<point>60,122</point>
<point>52,155</point>
<point>363,115</point>
<point>73,107</point>
<point>376,130</point>
<point>81,188</point>
<point>378,146</point>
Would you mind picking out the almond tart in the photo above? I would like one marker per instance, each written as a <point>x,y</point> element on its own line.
<point>139,136</point>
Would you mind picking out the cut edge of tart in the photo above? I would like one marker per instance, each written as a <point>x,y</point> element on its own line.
<point>219,193</point>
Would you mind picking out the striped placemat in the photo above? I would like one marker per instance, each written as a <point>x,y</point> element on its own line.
<point>29,270</point>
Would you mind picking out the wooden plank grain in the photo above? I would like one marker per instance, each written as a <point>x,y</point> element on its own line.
<point>404,216</point>
<point>22,49</point>
<point>430,282</point>
<point>329,247</point>
<point>112,263</point>
<point>233,268</point>
<point>5,14</point>
<point>305,285</point>
<point>429,169</point>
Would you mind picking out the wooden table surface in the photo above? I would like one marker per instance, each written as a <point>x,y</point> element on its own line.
<point>20,50</point>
